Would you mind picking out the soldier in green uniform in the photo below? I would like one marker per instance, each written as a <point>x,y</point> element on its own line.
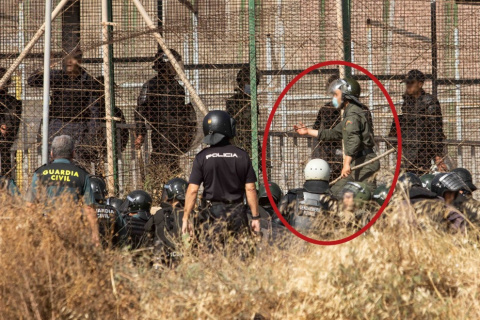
<point>356,131</point>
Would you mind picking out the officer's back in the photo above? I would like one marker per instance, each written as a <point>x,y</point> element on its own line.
<point>137,208</point>
<point>61,177</point>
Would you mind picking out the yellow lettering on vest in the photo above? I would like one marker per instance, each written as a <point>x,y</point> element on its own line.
<point>45,172</point>
<point>62,172</point>
<point>53,178</point>
<point>67,172</point>
<point>67,178</point>
<point>76,174</point>
<point>57,171</point>
<point>51,171</point>
<point>61,178</point>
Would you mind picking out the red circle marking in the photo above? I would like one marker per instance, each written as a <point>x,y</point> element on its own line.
<point>264,151</point>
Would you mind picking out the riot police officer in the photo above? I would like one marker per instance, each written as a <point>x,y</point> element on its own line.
<point>271,226</point>
<point>137,207</point>
<point>227,175</point>
<point>110,222</point>
<point>314,201</point>
<point>116,203</point>
<point>426,180</point>
<point>355,207</point>
<point>356,131</point>
<point>380,194</point>
<point>166,224</point>
<point>466,176</point>
<point>448,186</point>
<point>63,178</point>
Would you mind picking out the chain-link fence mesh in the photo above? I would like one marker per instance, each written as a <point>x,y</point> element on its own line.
<point>158,125</point>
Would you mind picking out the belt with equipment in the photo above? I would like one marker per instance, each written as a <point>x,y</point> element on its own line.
<point>227,202</point>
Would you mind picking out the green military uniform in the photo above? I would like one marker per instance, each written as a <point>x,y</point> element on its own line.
<point>357,135</point>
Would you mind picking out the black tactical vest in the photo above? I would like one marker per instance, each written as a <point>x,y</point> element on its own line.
<point>62,177</point>
<point>137,235</point>
<point>308,206</point>
<point>110,224</point>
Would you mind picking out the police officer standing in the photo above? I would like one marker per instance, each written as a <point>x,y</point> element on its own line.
<point>63,178</point>
<point>356,131</point>
<point>421,126</point>
<point>227,176</point>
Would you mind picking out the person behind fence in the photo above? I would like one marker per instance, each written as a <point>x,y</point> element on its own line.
<point>303,207</point>
<point>356,131</point>
<point>63,178</point>
<point>74,102</point>
<point>111,224</point>
<point>331,151</point>
<point>137,212</point>
<point>239,107</point>
<point>227,175</point>
<point>10,115</point>
<point>166,224</point>
<point>421,126</point>
<point>161,108</point>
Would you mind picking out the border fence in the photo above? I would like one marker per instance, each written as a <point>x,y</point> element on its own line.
<point>237,55</point>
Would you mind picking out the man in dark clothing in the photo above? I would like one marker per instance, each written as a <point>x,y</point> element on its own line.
<point>239,107</point>
<point>421,126</point>
<point>10,115</point>
<point>74,102</point>
<point>271,226</point>
<point>63,178</point>
<point>227,176</point>
<point>161,106</point>
<point>356,131</point>
<point>331,151</point>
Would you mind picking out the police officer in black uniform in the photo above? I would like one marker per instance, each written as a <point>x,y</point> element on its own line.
<point>63,178</point>
<point>111,224</point>
<point>304,207</point>
<point>166,224</point>
<point>137,208</point>
<point>227,175</point>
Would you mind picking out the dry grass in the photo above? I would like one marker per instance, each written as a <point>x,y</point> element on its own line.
<point>50,271</point>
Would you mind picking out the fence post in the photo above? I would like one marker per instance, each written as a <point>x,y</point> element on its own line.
<point>112,180</point>
<point>46,79</point>
<point>253,83</point>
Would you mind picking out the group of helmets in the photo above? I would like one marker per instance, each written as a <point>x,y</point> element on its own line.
<point>459,179</point>
<point>138,200</point>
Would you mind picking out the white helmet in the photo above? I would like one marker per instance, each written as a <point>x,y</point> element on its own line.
<point>317,169</point>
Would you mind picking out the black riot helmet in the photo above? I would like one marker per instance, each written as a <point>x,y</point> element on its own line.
<point>274,189</point>
<point>139,201</point>
<point>450,181</point>
<point>115,202</point>
<point>175,189</point>
<point>99,188</point>
<point>409,180</point>
<point>466,176</point>
<point>349,87</point>
<point>218,125</point>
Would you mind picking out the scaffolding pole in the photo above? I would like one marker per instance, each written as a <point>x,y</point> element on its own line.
<point>46,78</point>
<point>107,52</point>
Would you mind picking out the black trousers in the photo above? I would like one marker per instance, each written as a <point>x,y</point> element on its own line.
<point>220,222</point>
